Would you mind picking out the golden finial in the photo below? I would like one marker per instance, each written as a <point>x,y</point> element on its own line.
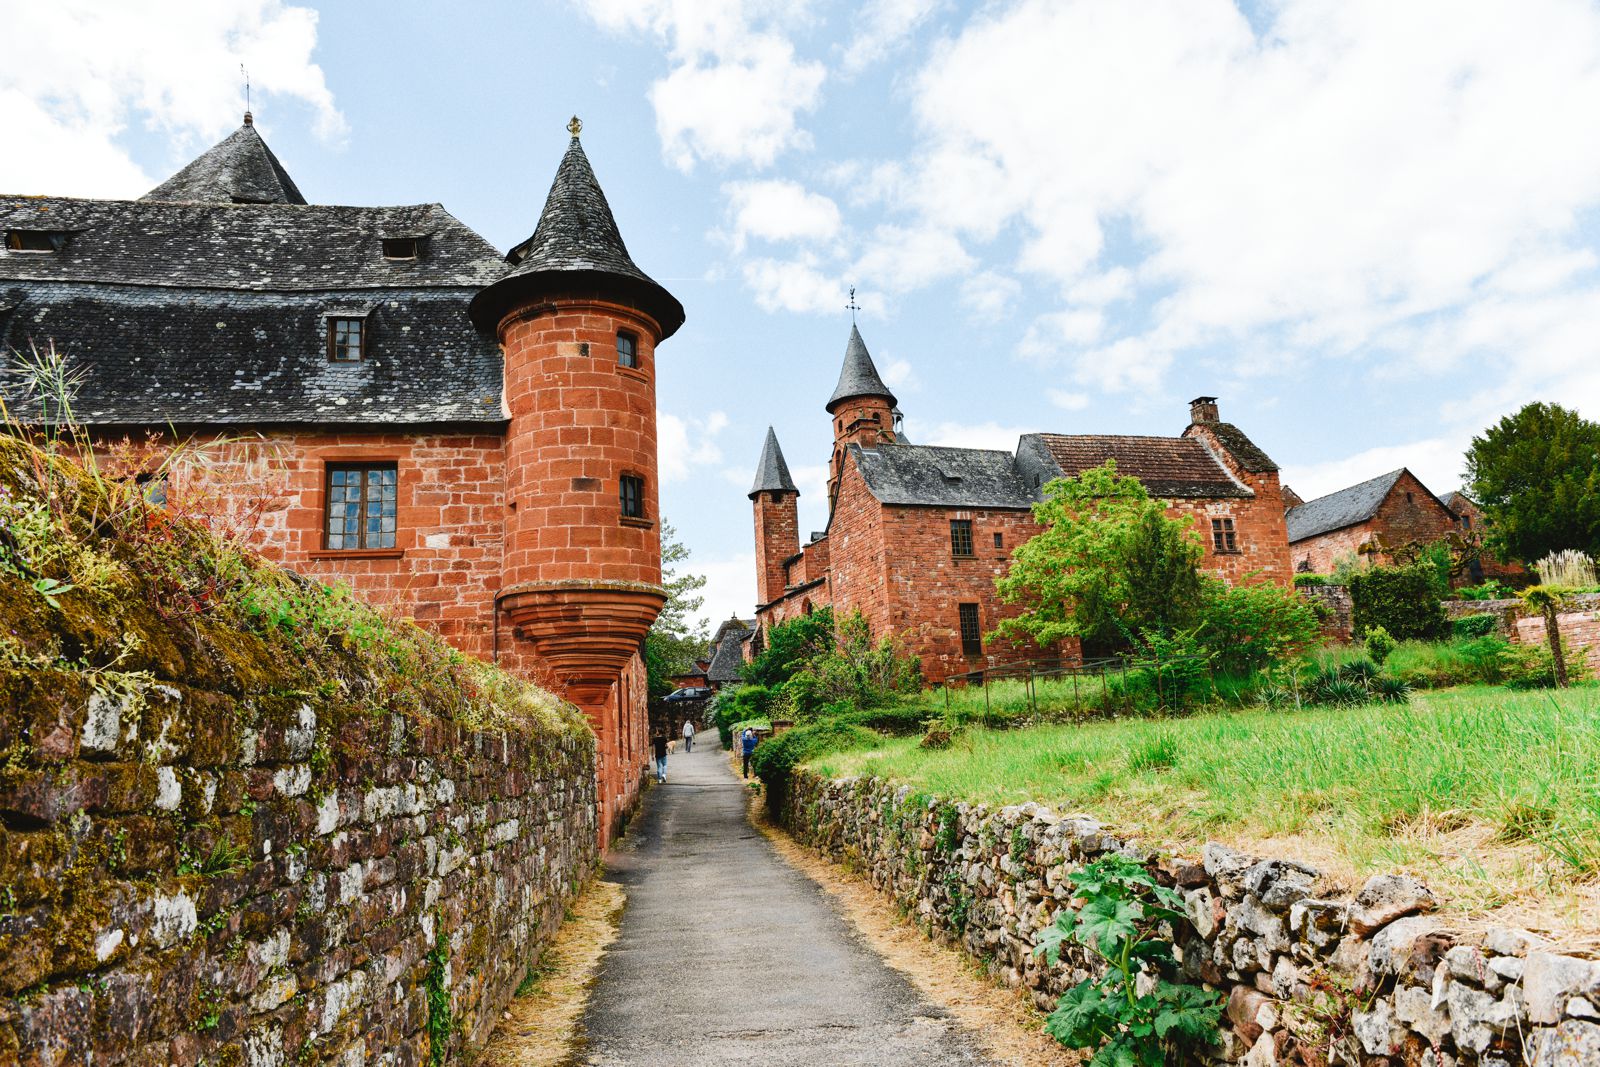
<point>575,127</point>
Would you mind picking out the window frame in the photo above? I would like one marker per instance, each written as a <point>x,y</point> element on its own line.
<point>971,637</point>
<point>639,501</point>
<point>334,322</point>
<point>415,243</point>
<point>1224,535</point>
<point>961,530</point>
<point>366,468</point>
<point>633,350</point>
<point>999,539</point>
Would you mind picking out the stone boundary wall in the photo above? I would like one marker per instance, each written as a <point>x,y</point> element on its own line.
<point>274,880</point>
<point>1310,979</point>
<point>1340,609</point>
<point>1580,623</point>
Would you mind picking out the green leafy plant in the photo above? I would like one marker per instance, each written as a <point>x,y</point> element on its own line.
<point>1402,600</point>
<point>1379,644</point>
<point>1491,589</point>
<point>1254,623</point>
<point>1125,919</point>
<point>1470,626</point>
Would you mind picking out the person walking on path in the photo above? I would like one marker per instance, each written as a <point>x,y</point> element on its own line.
<point>688,735</point>
<point>659,742</point>
<point>747,746</point>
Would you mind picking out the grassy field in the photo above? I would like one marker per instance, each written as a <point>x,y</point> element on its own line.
<point>1491,796</point>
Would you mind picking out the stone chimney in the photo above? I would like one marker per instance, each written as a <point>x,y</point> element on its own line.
<point>1203,409</point>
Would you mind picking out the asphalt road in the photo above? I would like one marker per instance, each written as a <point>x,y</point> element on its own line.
<point>727,955</point>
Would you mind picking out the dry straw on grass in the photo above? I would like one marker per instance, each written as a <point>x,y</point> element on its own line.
<point>540,1027</point>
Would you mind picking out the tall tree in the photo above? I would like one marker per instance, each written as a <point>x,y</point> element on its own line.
<point>1536,474</point>
<point>1109,563</point>
<point>677,638</point>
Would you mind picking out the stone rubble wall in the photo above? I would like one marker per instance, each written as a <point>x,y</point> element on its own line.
<point>396,875</point>
<point>1579,623</point>
<point>1339,609</point>
<point>1310,978</point>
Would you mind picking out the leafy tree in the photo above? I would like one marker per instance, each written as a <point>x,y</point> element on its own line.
<point>1536,474</point>
<point>857,670</point>
<point>1109,563</point>
<point>676,639</point>
<point>1548,600</point>
<point>789,647</point>
<point>1254,624</point>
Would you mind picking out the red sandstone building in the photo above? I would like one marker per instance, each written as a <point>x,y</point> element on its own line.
<point>1367,521</point>
<point>917,535</point>
<point>467,436</point>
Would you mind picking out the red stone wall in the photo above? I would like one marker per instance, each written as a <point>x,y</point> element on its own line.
<point>866,421</point>
<point>777,539</point>
<point>1580,632</point>
<point>1475,527</point>
<point>1260,530</point>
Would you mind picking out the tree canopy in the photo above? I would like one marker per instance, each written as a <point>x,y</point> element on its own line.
<point>1536,474</point>
<point>676,639</point>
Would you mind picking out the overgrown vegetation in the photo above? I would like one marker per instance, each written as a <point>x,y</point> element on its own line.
<point>1136,1012</point>
<point>1403,600</point>
<point>677,638</point>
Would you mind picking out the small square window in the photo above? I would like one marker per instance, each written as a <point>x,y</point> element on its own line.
<point>1223,538</point>
<point>402,248</point>
<point>632,490</point>
<point>627,350</point>
<point>361,506</point>
<point>345,340</point>
<point>971,630</point>
<point>34,240</point>
<point>961,537</point>
<point>999,540</point>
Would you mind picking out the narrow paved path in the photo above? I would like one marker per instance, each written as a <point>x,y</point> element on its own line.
<point>727,955</point>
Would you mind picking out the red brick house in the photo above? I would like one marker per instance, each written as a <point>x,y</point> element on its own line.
<point>917,535</point>
<point>1473,526</point>
<point>467,436</point>
<point>1391,510</point>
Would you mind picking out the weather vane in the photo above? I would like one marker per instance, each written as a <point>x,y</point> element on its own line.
<point>853,306</point>
<point>575,127</point>
<point>246,75</point>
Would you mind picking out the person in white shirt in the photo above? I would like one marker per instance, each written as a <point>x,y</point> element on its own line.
<point>688,735</point>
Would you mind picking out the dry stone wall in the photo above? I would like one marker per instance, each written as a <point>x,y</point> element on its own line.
<point>1310,978</point>
<point>259,879</point>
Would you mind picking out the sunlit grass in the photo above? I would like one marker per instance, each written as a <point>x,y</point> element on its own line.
<point>1490,795</point>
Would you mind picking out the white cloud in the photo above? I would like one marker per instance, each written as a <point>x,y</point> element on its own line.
<point>899,374</point>
<point>1067,400</point>
<point>989,294</point>
<point>736,86</point>
<point>902,258</point>
<point>686,447</point>
<point>799,285</point>
<point>974,435</point>
<point>730,587</point>
<point>1436,460</point>
<point>1353,171</point>
<point>779,211</point>
<point>81,72</point>
<point>883,25</point>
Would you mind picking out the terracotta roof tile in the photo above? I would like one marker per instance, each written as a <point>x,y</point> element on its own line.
<point>1168,466</point>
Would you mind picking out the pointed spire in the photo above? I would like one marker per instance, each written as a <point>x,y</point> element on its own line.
<point>240,169</point>
<point>576,243</point>
<point>772,473</point>
<point>858,377</point>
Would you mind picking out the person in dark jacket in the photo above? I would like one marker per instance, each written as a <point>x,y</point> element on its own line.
<point>659,743</point>
<point>747,746</point>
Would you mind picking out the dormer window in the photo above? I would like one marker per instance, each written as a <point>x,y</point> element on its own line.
<point>402,248</point>
<point>346,339</point>
<point>35,240</point>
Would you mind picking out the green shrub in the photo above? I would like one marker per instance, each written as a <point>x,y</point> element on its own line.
<point>1252,625</point>
<point>1402,600</point>
<point>1379,644</point>
<point>789,646</point>
<point>1493,589</point>
<point>1532,666</point>
<point>1469,626</point>
<point>1302,581</point>
<point>776,758</point>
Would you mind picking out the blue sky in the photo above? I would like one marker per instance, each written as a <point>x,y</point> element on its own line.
<point>1369,228</point>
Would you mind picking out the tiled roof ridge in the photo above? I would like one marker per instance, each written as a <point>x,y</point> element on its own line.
<point>240,166</point>
<point>1343,507</point>
<point>1390,476</point>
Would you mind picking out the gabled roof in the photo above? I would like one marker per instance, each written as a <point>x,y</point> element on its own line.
<point>1167,466</point>
<point>858,377</point>
<point>1244,451</point>
<point>1348,506</point>
<point>238,169</point>
<point>935,476</point>
<point>729,654</point>
<point>772,473</point>
<point>576,241</point>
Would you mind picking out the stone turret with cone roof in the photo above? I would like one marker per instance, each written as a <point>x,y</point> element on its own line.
<point>776,502</point>
<point>579,323</point>
<point>240,169</point>
<point>863,408</point>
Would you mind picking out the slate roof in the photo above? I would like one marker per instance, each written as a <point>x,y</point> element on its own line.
<point>1167,466</point>
<point>858,376</point>
<point>937,476</point>
<point>729,656</point>
<point>576,241</point>
<point>1348,506</point>
<point>1244,451</point>
<point>238,169</point>
<point>209,312</point>
<point>772,473</point>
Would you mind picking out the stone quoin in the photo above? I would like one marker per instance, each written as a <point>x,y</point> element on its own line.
<point>468,437</point>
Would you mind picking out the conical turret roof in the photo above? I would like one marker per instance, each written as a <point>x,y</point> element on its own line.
<point>858,377</point>
<point>576,242</point>
<point>772,473</point>
<point>240,169</point>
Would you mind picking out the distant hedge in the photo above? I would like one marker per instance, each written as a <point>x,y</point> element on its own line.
<point>1468,626</point>
<point>1402,600</point>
